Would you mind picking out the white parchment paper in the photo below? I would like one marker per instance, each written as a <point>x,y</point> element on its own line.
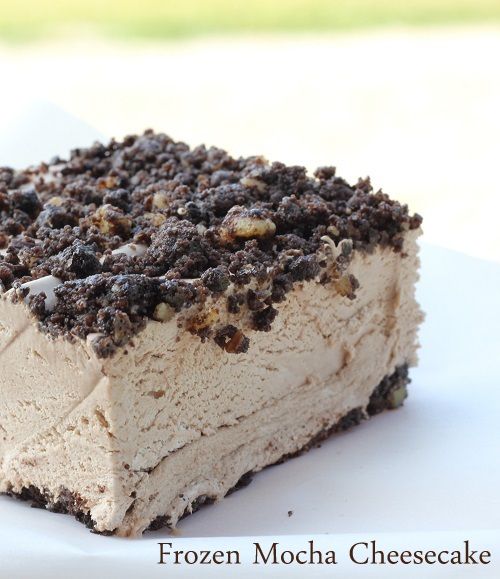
<point>425,476</point>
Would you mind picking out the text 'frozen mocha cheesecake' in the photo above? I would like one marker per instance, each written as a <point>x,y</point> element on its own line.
<point>173,320</point>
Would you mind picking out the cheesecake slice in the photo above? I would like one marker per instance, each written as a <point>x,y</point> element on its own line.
<point>173,320</point>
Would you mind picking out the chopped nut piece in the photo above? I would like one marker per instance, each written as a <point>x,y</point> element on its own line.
<point>242,223</point>
<point>203,320</point>
<point>112,221</point>
<point>252,182</point>
<point>156,219</point>
<point>163,312</point>
<point>56,201</point>
<point>332,230</point>
<point>330,244</point>
<point>397,397</point>
<point>121,327</point>
<point>346,286</point>
<point>236,343</point>
<point>160,201</point>
<point>109,182</point>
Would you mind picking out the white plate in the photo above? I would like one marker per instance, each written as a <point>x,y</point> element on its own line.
<point>427,475</point>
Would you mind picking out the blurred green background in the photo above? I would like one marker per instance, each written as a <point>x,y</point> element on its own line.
<point>406,91</point>
<point>163,19</point>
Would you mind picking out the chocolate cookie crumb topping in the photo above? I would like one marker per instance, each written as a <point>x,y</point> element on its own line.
<point>207,222</point>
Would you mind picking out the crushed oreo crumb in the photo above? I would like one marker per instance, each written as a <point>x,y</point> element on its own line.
<point>216,279</point>
<point>207,221</point>
<point>263,319</point>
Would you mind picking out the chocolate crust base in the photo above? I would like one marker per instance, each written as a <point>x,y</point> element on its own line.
<point>388,395</point>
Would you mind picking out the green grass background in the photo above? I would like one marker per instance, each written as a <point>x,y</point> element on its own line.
<point>32,19</point>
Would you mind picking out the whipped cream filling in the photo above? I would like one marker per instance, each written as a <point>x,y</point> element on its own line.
<point>167,418</point>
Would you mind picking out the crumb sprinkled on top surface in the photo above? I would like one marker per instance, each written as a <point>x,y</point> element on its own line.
<point>207,222</point>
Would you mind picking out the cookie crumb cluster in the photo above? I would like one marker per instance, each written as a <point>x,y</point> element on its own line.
<point>239,230</point>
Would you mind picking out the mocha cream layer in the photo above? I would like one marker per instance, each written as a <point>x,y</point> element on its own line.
<point>168,419</point>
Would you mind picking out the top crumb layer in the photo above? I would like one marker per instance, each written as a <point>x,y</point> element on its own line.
<point>201,215</point>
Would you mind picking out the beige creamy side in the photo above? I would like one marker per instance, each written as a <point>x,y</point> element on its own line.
<point>170,416</point>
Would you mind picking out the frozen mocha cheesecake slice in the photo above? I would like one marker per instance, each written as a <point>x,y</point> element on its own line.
<point>173,320</point>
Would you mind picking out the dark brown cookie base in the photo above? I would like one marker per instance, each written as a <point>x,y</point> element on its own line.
<point>389,394</point>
